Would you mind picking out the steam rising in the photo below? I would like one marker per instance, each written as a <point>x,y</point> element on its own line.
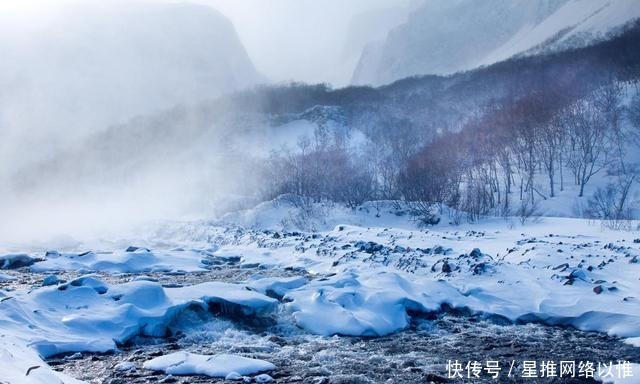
<point>88,89</point>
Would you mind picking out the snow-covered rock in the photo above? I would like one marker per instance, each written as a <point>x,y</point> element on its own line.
<point>184,363</point>
<point>89,315</point>
<point>50,280</point>
<point>14,261</point>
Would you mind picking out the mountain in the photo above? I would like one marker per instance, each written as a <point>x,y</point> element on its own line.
<point>366,27</point>
<point>88,65</point>
<point>447,37</point>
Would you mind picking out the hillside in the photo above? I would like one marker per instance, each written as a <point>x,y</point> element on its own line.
<point>487,32</point>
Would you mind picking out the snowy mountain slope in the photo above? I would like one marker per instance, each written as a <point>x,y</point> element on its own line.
<point>482,33</point>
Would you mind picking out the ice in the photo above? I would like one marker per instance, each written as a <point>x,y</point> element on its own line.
<point>184,363</point>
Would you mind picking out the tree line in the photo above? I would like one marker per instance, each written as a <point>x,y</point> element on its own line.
<point>492,166</point>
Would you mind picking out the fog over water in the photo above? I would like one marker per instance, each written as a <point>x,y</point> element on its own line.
<point>72,70</point>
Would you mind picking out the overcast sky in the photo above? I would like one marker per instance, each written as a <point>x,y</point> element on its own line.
<point>302,40</point>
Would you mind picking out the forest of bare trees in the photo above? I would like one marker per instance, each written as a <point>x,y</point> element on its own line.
<point>495,165</point>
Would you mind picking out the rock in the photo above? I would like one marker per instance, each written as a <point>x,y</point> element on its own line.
<point>578,274</point>
<point>263,378</point>
<point>369,247</point>
<point>475,253</point>
<point>479,269</point>
<point>132,248</point>
<point>51,280</point>
<point>15,261</point>
<point>446,268</point>
<point>125,366</point>
<point>433,378</point>
<point>234,376</point>
<point>598,289</point>
<point>562,267</point>
<point>75,356</point>
<point>350,379</point>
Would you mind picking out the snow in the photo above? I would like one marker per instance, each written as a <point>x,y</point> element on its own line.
<point>88,315</point>
<point>617,379</point>
<point>635,341</point>
<point>282,214</point>
<point>126,366</point>
<point>132,260</point>
<point>5,278</point>
<point>184,363</point>
<point>19,359</point>
<point>374,306</point>
<point>447,37</point>
<point>584,19</point>
<point>362,277</point>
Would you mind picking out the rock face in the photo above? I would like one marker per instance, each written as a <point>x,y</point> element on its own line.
<point>444,37</point>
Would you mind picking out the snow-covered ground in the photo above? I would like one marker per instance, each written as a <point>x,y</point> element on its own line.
<point>363,272</point>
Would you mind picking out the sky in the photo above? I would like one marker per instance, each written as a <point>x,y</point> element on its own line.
<point>288,40</point>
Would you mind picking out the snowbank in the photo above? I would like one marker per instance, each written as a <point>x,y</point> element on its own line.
<point>88,315</point>
<point>373,306</point>
<point>21,364</point>
<point>131,260</point>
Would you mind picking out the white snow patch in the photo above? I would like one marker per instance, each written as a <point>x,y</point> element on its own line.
<point>6,278</point>
<point>184,363</point>
<point>140,260</point>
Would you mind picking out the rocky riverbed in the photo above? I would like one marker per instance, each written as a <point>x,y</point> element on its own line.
<point>416,355</point>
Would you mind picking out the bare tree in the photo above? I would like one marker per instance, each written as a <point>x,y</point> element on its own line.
<point>589,147</point>
<point>551,139</point>
<point>432,177</point>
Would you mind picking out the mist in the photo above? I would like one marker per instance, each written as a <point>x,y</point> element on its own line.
<point>311,41</point>
<point>86,88</point>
